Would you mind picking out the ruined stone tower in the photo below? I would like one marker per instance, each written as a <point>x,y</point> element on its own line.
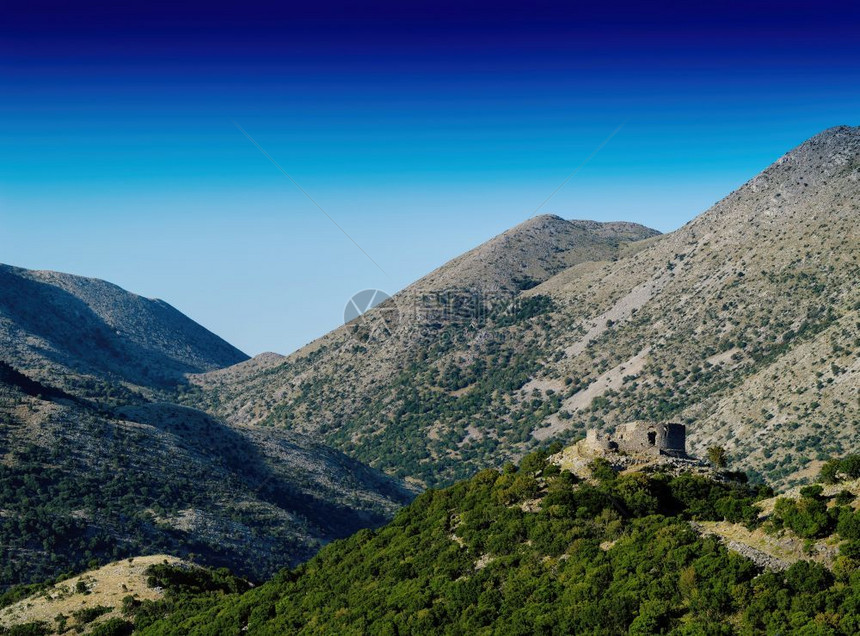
<point>641,438</point>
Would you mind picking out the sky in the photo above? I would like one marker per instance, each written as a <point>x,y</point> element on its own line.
<point>414,130</point>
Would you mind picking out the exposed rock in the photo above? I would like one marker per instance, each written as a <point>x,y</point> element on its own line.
<point>742,325</point>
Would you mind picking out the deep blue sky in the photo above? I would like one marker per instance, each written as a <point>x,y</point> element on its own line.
<point>422,128</point>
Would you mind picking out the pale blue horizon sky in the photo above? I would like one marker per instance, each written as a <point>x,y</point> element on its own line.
<point>263,268</point>
<point>424,128</point>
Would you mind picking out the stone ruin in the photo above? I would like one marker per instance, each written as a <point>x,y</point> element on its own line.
<point>641,438</point>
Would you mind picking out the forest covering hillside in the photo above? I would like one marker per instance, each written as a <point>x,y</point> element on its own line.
<point>535,550</point>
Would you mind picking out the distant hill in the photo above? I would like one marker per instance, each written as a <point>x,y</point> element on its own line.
<point>54,324</point>
<point>97,463</point>
<point>744,324</point>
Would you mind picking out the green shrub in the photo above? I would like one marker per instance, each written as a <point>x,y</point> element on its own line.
<point>89,614</point>
<point>835,470</point>
<point>113,627</point>
<point>602,470</point>
<point>843,498</point>
<point>36,628</point>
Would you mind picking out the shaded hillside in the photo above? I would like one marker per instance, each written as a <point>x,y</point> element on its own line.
<point>12,379</point>
<point>534,551</point>
<point>97,464</point>
<point>742,324</point>
<point>54,325</point>
<point>78,484</point>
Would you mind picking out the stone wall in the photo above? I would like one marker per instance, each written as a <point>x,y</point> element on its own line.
<point>647,437</point>
<point>642,438</point>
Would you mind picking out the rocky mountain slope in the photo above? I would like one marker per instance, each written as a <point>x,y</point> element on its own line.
<point>352,385</point>
<point>744,324</point>
<point>97,463</point>
<point>60,326</point>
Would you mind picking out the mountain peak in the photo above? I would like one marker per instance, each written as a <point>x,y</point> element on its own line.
<point>60,321</point>
<point>541,220</point>
<point>827,152</point>
<point>533,251</point>
<point>841,131</point>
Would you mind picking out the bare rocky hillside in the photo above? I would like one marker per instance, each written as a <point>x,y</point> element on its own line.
<point>54,325</point>
<point>351,384</point>
<point>744,324</point>
<point>530,253</point>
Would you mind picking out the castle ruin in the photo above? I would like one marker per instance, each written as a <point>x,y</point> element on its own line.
<point>642,438</point>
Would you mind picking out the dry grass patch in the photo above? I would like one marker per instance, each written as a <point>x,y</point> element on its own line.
<point>104,587</point>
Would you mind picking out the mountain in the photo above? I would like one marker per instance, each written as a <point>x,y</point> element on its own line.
<point>744,324</point>
<point>54,324</point>
<point>98,463</point>
<point>78,483</point>
<point>531,253</point>
<point>535,550</point>
<point>352,386</point>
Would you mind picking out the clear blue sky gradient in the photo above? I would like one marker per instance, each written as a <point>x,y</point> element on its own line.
<point>422,128</point>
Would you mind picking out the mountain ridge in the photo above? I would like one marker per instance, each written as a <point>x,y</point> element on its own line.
<point>665,327</point>
<point>94,328</point>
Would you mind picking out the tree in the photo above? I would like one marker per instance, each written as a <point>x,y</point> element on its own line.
<point>113,627</point>
<point>717,456</point>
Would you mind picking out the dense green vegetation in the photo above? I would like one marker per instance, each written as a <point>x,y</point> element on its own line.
<point>839,469</point>
<point>113,627</point>
<point>534,551</point>
<point>36,628</point>
<point>40,490</point>
<point>186,590</point>
<point>814,516</point>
